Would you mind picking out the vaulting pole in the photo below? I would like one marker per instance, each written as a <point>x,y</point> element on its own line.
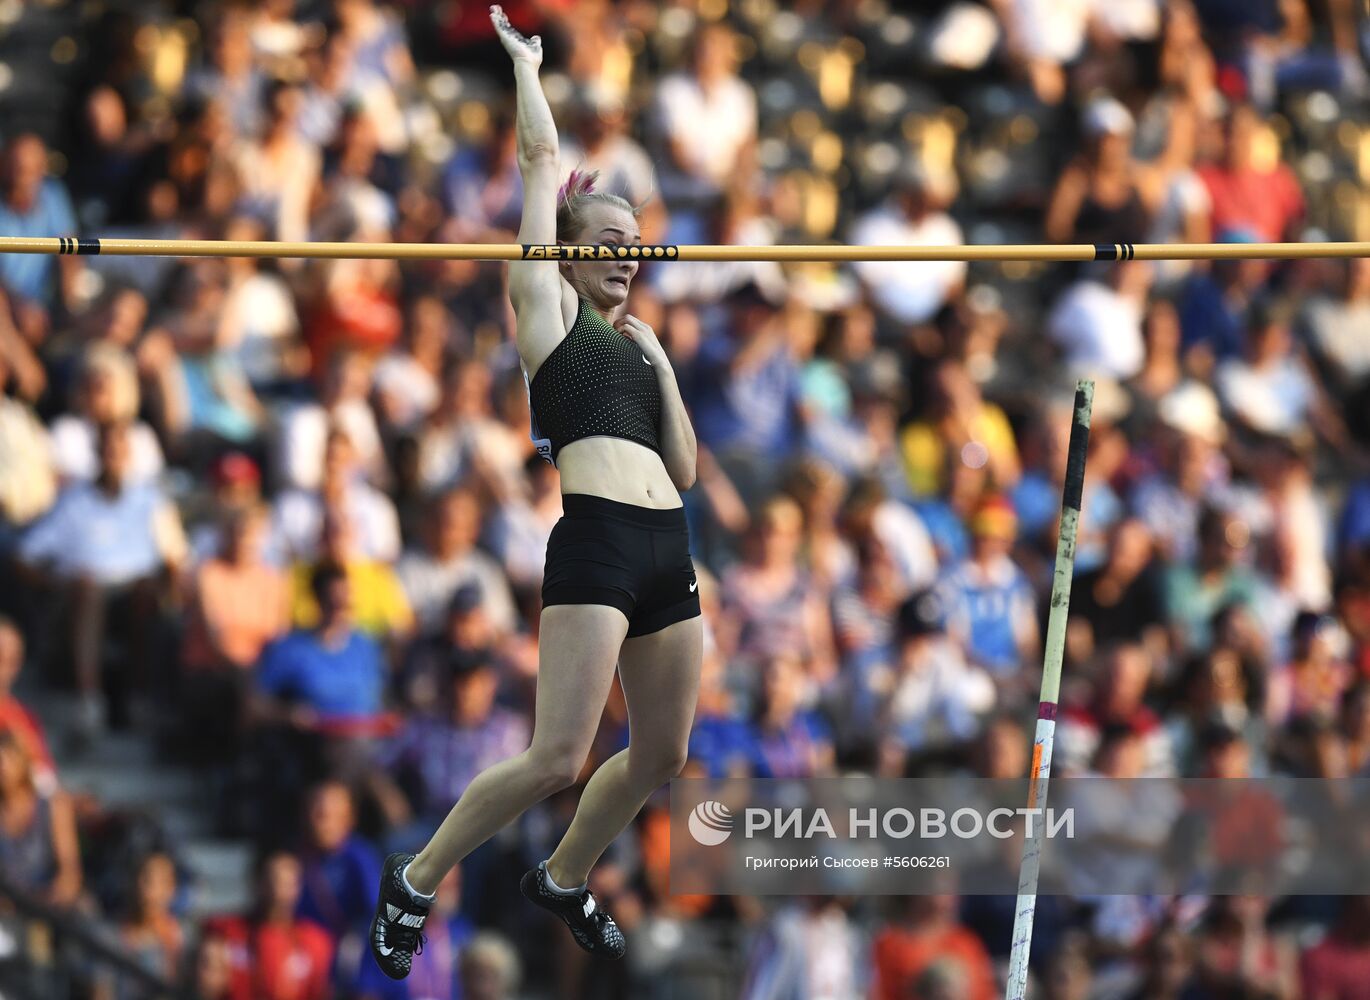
<point>1039,773</point>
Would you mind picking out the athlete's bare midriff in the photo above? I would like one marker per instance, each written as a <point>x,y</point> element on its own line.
<point>616,469</point>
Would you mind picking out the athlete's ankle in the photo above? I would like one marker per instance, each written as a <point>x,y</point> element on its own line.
<point>418,881</point>
<point>563,881</point>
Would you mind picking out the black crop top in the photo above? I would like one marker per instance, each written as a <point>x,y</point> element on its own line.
<point>595,382</point>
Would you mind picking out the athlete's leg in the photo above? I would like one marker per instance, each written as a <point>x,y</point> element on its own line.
<point>578,646</point>
<point>660,676</point>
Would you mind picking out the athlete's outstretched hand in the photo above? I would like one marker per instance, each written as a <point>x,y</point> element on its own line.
<point>645,338</point>
<point>519,48</point>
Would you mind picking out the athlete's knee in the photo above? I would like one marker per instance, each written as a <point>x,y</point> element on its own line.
<point>555,768</point>
<point>657,765</point>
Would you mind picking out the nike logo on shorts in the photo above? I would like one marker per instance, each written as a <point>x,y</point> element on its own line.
<point>644,360</point>
<point>694,585</point>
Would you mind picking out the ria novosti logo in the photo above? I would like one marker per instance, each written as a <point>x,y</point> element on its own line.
<point>711,822</point>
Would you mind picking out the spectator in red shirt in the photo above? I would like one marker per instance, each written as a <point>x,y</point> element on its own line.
<point>18,719</point>
<point>927,933</point>
<point>1238,954</point>
<point>272,954</point>
<point>1250,196</point>
<point>1117,700</point>
<point>1338,967</point>
<point>211,972</point>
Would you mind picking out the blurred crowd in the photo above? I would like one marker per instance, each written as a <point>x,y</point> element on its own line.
<point>286,514</point>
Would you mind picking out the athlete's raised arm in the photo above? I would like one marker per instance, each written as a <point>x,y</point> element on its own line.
<point>534,286</point>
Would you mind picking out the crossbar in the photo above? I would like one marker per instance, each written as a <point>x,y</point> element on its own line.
<point>86,246</point>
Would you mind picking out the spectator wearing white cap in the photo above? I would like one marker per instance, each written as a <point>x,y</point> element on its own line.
<point>1098,198</point>
<point>1191,467</point>
<point>936,697</point>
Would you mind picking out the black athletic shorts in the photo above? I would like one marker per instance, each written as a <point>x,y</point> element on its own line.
<point>636,559</point>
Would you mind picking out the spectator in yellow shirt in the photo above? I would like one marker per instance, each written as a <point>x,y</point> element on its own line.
<point>957,417</point>
<point>379,605</point>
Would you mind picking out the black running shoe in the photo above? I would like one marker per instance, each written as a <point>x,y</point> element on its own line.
<point>395,937</point>
<point>593,929</point>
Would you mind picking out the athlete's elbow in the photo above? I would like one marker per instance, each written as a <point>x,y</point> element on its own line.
<point>538,153</point>
<point>683,475</point>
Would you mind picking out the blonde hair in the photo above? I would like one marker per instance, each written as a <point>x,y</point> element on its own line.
<point>578,194</point>
<point>495,952</point>
<point>782,511</point>
<point>115,364</point>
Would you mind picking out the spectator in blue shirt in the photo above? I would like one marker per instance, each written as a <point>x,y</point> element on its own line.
<point>228,75</point>
<point>101,548</point>
<point>340,874</point>
<point>746,393</point>
<point>482,189</point>
<point>788,740</point>
<point>1213,305</point>
<point>1354,530</point>
<point>436,755</point>
<point>327,683</point>
<point>331,675</point>
<point>989,601</point>
<point>34,204</point>
<point>946,515</point>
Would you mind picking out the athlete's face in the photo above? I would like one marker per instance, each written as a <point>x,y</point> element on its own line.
<point>605,283</point>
